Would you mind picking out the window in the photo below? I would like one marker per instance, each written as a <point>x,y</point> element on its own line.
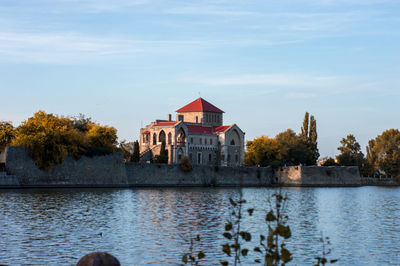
<point>209,157</point>
<point>210,141</point>
<point>169,138</point>
<point>180,117</point>
<point>201,141</point>
<point>233,142</point>
<point>229,158</point>
<point>197,119</point>
<point>199,158</point>
<point>191,140</point>
<point>205,141</point>
<point>154,139</point>
<point>161,137</point>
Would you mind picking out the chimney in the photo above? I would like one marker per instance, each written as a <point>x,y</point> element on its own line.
<point>169,117</point>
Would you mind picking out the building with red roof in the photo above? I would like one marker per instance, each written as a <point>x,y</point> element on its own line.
<point>197,133</point>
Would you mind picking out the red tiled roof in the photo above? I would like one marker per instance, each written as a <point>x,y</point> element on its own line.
<point>199,129</point>
<point>219,129</point>
<point>165,124</point>
<point>146,132</point>
<point>200,105</point>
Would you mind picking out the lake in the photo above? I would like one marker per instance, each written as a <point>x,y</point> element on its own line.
<point>154,226</point>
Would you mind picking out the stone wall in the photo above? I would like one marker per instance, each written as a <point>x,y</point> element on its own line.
<point>108,170</point>
<point>319,176</point>
<point>379,181</point>
<point>202,175</point>
<point>111,171</point>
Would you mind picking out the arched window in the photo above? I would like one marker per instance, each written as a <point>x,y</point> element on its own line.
<point>197,119</point>
<point>181,139</point>
<point>209,157</point>
<point>169,138</point>
<point>154,139</point>
<point>161,136</point>
<point>233,142</point>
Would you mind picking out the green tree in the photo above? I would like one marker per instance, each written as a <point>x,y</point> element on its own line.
<point>350,152</point>
<point>312,140</point>
<point>309,135</point>
<point>292,148</point>
<point>383,153</point>
<point>7,134</point>
<point>136,152</point>
<point>163,157</point>
<point>304,129</point>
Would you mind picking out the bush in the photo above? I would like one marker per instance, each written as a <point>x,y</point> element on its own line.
<point>185,165</point>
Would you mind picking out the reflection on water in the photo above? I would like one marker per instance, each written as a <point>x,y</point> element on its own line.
<point>154,226</point>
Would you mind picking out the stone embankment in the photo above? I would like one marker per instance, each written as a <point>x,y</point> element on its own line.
<point>111,171</point>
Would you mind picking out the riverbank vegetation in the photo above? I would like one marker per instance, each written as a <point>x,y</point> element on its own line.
<point>286,148</point>
<point>50,138</point>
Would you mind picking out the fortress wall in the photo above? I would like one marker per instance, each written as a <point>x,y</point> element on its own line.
<point>319,176</point>
<point>111,171</point>
<point>201,175</point>
<point>108,170</point>
<point>376,181</point>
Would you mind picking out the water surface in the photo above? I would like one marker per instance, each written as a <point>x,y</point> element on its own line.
<point>154,226</point>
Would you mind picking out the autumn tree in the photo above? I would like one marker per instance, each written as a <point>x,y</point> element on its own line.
<point>350,152</point>
<point>383,152</point>
<point>50,138</point>
<point>262,151</point>
<point>7,134</point>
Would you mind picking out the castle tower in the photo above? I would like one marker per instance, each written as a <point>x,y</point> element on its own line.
<point>200,112</point>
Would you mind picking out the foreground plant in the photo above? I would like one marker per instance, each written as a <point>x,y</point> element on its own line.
<point>322,260</point>
<point>233,232</point>
<point>193,257</point>
<point>273,247</point>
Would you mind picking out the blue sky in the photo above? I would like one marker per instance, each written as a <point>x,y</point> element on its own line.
<point>125,63</point>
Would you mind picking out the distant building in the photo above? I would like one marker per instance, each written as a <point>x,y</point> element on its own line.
<point>197,133</point>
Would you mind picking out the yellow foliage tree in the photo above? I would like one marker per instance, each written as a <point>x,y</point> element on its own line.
<point>50,138</point>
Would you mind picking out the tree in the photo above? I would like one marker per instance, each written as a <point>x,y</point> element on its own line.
<point>50,138</point>
<point>383,153</point>
<point>329,162</point>
<point>262,151</point>
<point>309,136</point>
<point>136,153</point>
<point>163,157</point>
<point>292,148</point>
<point>7,134</point>
<point>304,128</point>
<point>350,152</point>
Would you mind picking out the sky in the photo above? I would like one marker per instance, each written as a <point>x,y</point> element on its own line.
<point>126,63</point>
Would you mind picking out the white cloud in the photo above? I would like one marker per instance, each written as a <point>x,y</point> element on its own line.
<point>209,10</point>
<point>284,80</point>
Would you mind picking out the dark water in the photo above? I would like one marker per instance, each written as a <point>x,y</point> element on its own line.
<point>153,226</point>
